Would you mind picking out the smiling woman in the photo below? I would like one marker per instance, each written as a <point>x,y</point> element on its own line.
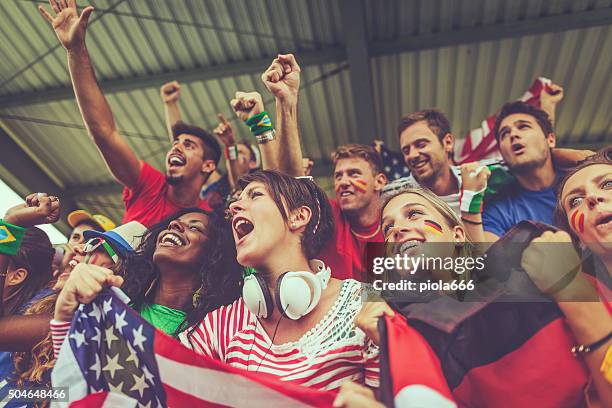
<point>184,268</point>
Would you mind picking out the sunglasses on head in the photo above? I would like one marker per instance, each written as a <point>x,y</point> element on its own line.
<point>94,243</point>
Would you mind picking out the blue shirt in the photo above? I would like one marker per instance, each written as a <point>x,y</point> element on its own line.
<point>515,203</point>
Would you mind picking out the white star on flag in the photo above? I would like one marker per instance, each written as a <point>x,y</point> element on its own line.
<point>120,322</point>
<point>96,337</point>
<point>112,366</point>
<point>107,305</point>
<point>97,367</point>
<point>79,337</point>
<point>95,312</point>
<point>139,385</point>
<point>110,336</point>
<point>139,338</point>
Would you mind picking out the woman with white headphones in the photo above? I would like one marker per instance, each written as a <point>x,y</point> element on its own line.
<point>293,320</point>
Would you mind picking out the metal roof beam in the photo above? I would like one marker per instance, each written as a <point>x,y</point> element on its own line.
<point>24,176</point>
<point>322,56</point>
<point>532,26</point>
<point>357,51</point>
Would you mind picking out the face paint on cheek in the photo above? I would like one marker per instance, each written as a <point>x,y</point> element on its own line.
<point>577,221</point>
<point>433,227</point>
<point>360,185</point>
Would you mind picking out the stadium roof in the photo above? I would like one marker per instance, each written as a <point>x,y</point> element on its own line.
<point>465,57</point>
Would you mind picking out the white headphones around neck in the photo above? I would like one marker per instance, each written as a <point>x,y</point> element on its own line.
<point>294,297</point>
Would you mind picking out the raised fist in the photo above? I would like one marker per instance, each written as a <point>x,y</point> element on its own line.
<point>551,95</point>
<point>69,26</point>
<point>224,131</point>
<point>474,176</point>
<point>170,92</point>
<point>282,78</point>
<point>39,208</point>
<point>247,104</point>
<point>83,285</point>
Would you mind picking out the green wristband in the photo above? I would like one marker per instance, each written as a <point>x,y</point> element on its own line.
<point>259,123</point>
<point>10,238</point>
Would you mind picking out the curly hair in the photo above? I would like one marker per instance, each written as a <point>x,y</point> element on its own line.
<point>220,274</point>
<point>33,368</point>
<point>295,193</point>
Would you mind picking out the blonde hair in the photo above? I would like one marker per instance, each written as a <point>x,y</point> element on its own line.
<point>452,219</point>
<point>31,366</point>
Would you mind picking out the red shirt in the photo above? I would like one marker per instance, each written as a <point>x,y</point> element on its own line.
<point>148,202</point>
<point>345,254</point>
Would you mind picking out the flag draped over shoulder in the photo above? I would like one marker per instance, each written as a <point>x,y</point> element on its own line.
<point>480,143</point>
<point>113,357</point>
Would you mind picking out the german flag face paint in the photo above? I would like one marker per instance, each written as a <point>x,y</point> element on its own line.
<point>433,227</point>
<point>577,221</point>
<point>360,185</point>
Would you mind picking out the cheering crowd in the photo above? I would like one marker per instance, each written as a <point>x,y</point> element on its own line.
<point>260,269</point>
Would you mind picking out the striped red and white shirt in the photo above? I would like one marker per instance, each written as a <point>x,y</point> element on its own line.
<point>332,352</point>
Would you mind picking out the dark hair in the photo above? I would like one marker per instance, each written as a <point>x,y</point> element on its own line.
<point>512,108</point>
<point>603,156</point>
<point>93,225</point>
<point>365,152</point>
<point>220,274</point>
<point>436,121</point>
<point>295,193</point>
<point>212,150</point>
<point>36,256</point>
<point>251,147</point>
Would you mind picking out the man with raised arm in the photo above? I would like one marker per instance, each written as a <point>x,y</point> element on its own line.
<point>241,156</point>
<point>358,176</point>
<point>148,195</point>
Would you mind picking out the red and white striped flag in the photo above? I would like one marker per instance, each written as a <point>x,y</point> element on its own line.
<point>113,357</point>
<point>480,143</point>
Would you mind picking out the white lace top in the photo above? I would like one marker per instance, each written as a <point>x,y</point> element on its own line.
<point>332,352</point>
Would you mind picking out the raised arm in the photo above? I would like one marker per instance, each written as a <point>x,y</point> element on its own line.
<point>70,28</point>
<point>246,105</point>
<point>21,333</point>
<point>282,78</point>
<point>170,94</point>
<point>549,98</point>
<point>225,134</point>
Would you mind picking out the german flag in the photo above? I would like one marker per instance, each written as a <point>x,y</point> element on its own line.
<point>488,354</point>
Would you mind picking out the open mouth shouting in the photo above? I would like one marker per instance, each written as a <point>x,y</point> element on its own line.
<point>176,160</point>
<point>518,148</point>
<point>604,221</point>
<point>346,193</point>
<point>241,227</point>
<point>171,239</point>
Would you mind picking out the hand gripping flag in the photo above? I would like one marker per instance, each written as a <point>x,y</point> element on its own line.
<point>113,357</point>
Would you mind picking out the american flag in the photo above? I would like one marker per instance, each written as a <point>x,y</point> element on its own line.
<point>113,357</point>
<point>480,143</point>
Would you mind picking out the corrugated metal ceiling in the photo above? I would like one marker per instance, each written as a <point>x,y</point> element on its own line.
<point>131,39</point>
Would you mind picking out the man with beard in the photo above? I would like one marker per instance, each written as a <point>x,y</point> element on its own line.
<point>525,137</point>
<point>148,196</point>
